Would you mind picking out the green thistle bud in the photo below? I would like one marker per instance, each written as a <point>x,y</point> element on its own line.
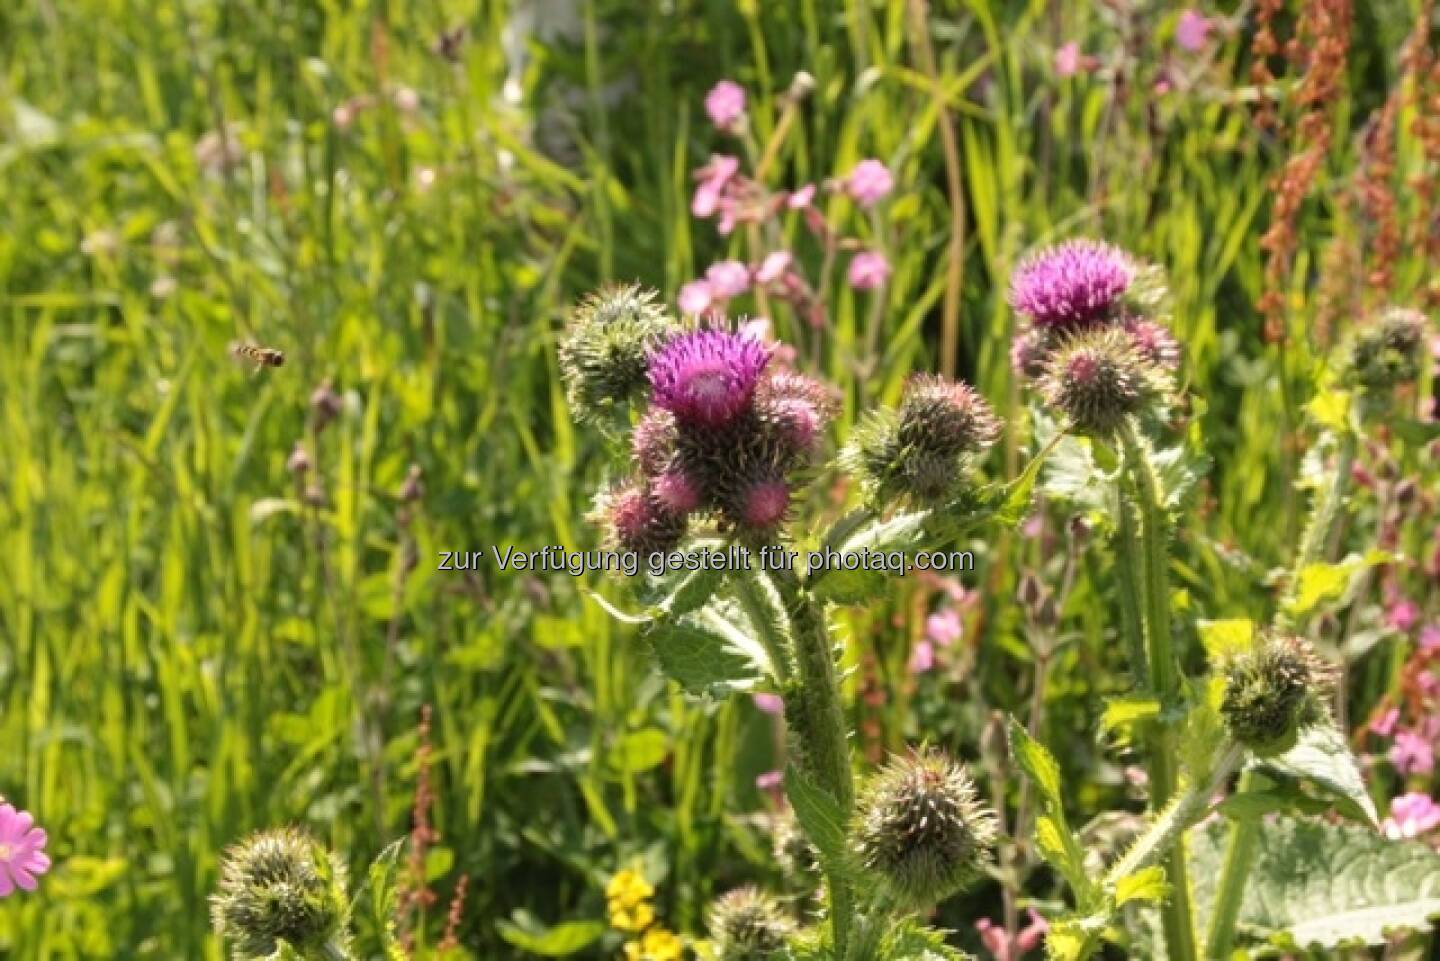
<point>1274,691</point>
<point>282,886</point>
<point>605,354</point>
<point>1099,377</point>
<point>922,450</point>
<point>921,829</point>
<point>1387,353</point>
<point>748,925</point>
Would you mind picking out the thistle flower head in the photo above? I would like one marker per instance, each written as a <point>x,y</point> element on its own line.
<point>1154,342</point>
<point>1273,691</point>
<point>654,440</point>
<point>921,829</point>
<point>794,410</point>
<point>1387,353</point>
<point>638,522</point>
<point>945,417</point>
<point>706,377</point>
<point>1099,377</point>
<point>1028,352</point>
<point>760,506</point>
<point>921,449</point>
<point>677,491</point>
<point>280,886</point>
<point>1072,284</point>
<point>604,356</point>
<point>748,925</point>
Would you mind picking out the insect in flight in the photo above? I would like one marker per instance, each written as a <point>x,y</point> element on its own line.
<point>259,356</point>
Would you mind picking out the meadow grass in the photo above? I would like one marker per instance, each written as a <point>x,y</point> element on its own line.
<point>194,643</point>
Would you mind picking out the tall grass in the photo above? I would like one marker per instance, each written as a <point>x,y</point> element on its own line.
<point>193,643</point>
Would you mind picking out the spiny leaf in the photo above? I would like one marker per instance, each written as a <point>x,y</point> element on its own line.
<point>1128,710</point>
<point>902,532</point>
<point>1148,884</point>
<point>1322,758</point>
<point>1324,885</point>
<point>819,814</point>
<point>708,651</point>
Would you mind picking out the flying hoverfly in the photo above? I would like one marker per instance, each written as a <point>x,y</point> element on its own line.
<point>257,355</point>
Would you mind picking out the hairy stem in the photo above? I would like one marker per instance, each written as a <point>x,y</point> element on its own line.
<point>1240,848</point>
<point>1128,548</point>
<point>1177,916</point>
<point>817,716</point>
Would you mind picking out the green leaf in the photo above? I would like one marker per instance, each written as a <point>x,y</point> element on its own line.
<point>640,750</point>
<point>1322,758</point>
<point>1331,410</point>
<point>902,532</point>
<point>1038,763</point>
<point>1147,884</point>
<point>1321,583</point>
<point>708,652</point>
<point>565,938</point>
<point>1053,837</point>
<point>1074,938</point>
<point>380,894</point>
<point>689,592</point>
<point>1128,710</point>
<point>819,814</point>
<point>1324,885</point>
<point>1015,504</point>
<point>1227,638</point>
<point>909,941</point>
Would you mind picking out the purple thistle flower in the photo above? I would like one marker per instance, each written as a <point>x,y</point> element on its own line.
<point>1071,285</point>
<point>1154,342</point>
<point>639,523</point>
<point>706,377</point>
<point>676,491</point>
<point>763,504</point>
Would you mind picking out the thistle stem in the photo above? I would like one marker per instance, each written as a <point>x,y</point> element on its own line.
<point>817,717</point>
<point>1177,915</point>
<point>1240,848</point>
<point>1128,548</point>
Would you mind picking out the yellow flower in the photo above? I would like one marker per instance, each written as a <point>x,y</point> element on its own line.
<point>630,917</point>
<point>657,944</point>
<point>629,887</point>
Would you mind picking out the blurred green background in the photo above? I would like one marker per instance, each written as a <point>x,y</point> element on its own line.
<point>195,641</point>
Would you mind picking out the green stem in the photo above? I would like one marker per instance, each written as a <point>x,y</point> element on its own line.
<point>765,610</point>
<point>817,717</point>
<point>1240,848</point>
<point>1126,550</point>
<point>1177,916</point>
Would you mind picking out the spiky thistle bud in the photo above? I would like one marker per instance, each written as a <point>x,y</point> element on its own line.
<point>922,449</point>
<point>638,522</point>
<point>748,925</point>
<point>281,885</point>
<point>793,409</point>
<point>921,829</point>
<point>605,354</point>
<point>758,508</point>
<point>1154,341</point>
<point>1273,691</point>
<point>1099,377</point>
<point>1071,285</point>
<point>654,440</point>
<point>1387,352</point>
<point>1028,352</point>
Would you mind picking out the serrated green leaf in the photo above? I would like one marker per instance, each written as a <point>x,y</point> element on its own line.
<point>1320,583</point>
<point>1127,711</point>
<point>910,941</point>
<point>565,938</point>
<point>819,814</point>
<point>903,532</point>
<point>640,750</point>
<point>1148,884</point>
<point>1324,885</point>
<point>1073,939</point>
<point>1322,758</point>
<point>1331,409</point>
<point>1227,638</point>
<point>380,893</point>
<point>708,651</point>
<point>1038,763</point>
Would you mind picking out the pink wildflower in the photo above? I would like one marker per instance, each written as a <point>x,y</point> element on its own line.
<point>1430,638</point>
<point>868,269</point>
<point>695,297</point>
<point>773,267</point>
<point>800,199</point>
<point>713,178</point>
<point>725,103</point>
<point>944,627</point>
<point>769,781</point>
<point>869,182</point>
<point>1067,60</point>
<point>771,704</point>
<point>22,851</point>
<point>922,658</point>
<point>1384,725</point>
<point>1192,32</point>
<point>1412,753</point>
<point>1403,615</point>
<point>727,278</point>
<point>1411,815</point>
<point>997,941</point>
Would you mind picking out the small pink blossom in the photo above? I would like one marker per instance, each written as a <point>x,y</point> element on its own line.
<point>1412,815</point>
<point>22,851</point>
<point>944,627</point>
<point>1412,753</point>
<point>1403,615</point>
<point>1192,32</point>
<point>869,182</point>
<point>713,178</point>
<point>1384,725</point>
<point>800,199</point>
<point>922,658</point>
<point>773,267</point>
<point>725,103</point>
<point>868,269</point>
<point>727,278</point>
<point>695,297</point>
<point>997,941</point>
<point>769,781</point>
<point>1067,60</point>
<point>1430,638</point>
<point>771,704</point>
